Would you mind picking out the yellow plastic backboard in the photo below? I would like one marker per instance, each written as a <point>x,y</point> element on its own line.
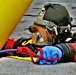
<point>11,12</point>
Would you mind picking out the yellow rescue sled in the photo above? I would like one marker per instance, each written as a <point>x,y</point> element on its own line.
<point>11,11</point>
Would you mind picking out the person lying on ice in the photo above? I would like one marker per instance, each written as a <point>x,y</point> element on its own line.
<point>47,29</point>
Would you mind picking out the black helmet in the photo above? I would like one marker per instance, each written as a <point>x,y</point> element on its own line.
<point>55,13</point>
<point>56,19</point>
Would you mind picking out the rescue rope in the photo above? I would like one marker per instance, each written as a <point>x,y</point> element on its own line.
<point>33,56</point>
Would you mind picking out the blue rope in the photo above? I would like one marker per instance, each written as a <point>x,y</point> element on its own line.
<point>8,50</point>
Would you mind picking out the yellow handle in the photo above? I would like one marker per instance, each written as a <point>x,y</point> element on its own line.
<point>11,11</point>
